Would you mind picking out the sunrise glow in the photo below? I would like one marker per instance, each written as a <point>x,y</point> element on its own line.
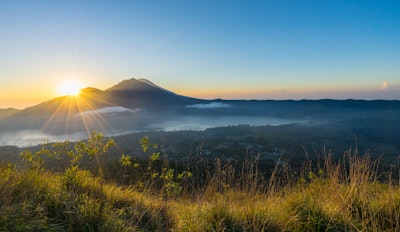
<point>69,88</point>
<point>274,50</point>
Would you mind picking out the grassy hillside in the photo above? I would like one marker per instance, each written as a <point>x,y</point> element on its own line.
<point>85,194</point>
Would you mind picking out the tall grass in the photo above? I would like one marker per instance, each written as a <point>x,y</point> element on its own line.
<point>354,193</point>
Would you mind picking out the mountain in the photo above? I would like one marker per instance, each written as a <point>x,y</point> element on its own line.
<point>50,115</point>
<point>4,113</point>
<point>154,85</point>
<point>128,104</point>
<point>140,105</point>
<point>141,93</point>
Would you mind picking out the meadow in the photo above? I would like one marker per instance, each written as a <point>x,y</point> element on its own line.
<point>72,187</point>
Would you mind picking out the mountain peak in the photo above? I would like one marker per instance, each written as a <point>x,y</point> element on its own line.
<point>90,90</point>
<point>130,84</point>
<point>156,86</point>
<point>143,80</point>
<point>138,85</point>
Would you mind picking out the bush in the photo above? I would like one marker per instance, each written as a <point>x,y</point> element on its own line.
<point>343,195</point>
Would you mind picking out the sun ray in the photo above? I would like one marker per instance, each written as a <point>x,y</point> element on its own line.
<point>84,120</point>
<point>97,118</point>
<point>69,88</point>
<point>69,110</point>
<point>54,114</point>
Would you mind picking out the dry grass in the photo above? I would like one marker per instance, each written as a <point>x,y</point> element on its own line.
<point>353,194</point>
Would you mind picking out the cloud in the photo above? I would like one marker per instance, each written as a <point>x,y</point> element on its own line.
<point>27,138</point>
<point>389,86</point>
<point>109,110</point>
<point>387,90</point>
<point>385,85</point>
<point>212,105</point>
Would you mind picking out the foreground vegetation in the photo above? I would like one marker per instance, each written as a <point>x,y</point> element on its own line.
<point>67,187</point>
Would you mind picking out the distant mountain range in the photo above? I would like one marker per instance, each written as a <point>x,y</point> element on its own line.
<point>138,104</point>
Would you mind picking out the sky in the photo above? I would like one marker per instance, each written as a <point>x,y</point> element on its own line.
<point>278,49</point>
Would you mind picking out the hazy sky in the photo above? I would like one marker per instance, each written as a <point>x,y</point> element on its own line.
<point>209,49</point>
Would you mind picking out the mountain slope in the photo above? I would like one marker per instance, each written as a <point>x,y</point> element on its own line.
<point>142,93</point>
<point>56,114</point>
<point>138,104</point>
<point>129,104</point>
<point>4,113</point>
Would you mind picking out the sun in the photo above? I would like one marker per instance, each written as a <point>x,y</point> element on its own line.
<point>70,88</point>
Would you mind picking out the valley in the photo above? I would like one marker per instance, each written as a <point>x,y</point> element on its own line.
<point>285,129</point>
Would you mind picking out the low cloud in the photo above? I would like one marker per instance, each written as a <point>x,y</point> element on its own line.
<point>389,86</point>
<point>109,110</point>
<point>27,138</point>
<point>212,105</point>
<point>385,85</point>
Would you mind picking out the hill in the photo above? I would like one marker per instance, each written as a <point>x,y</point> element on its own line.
<point>123,106</point>
<point>355,193</point>
<point>139,105</point>
<point>4,113</point>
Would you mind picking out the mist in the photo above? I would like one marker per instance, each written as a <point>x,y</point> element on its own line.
<point>26,138</point>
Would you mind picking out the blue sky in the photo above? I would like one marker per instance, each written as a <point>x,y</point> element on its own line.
<point>209,49</point>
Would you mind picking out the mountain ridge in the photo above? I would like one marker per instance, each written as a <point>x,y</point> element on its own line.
<point>143,100</point>
<point>134,104</point>
<point>140,84</point>
<point>142,93</point>
<point>8,112</point>
<point>130,85</point>
<point>145,85</point>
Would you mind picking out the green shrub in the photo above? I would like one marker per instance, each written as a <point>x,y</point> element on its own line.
<point>344,195</point>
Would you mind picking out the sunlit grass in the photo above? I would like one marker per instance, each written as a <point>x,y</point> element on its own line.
<point>346,195</point>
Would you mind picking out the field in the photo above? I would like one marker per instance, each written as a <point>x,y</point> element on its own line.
<point>73,187</point>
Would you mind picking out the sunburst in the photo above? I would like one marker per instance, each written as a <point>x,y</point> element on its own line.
<point>70,107</point>
<point>69,88</point>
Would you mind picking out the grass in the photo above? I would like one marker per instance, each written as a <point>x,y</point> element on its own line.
<point>352,194</point>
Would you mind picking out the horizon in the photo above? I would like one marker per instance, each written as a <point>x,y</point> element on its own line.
<point>278,50</point>
<point>211,99</point>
